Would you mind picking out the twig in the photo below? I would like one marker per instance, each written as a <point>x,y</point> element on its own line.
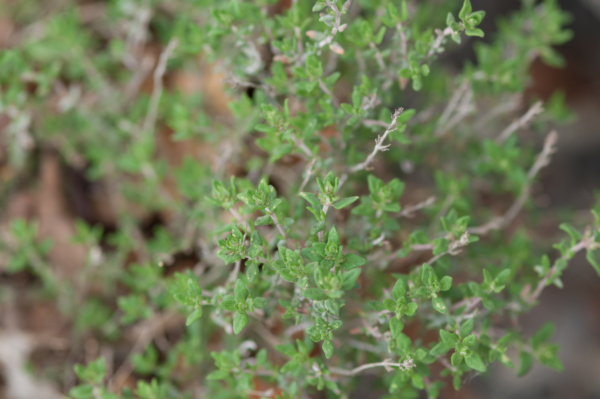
<point>470,302</point>
<point>309,172</point>
<point>464,108</point>
<point>453,248</point>
<point>374,122</point>
<point>157,90</point>
<point>280,227</point>
<point>452,104</point>
<point>336,24</point>
<point>379,143</point>
<point>445,363</point>
<point>535,109</point>
<point>542,160</point>
<point>148,330</point>
<point>438,40</point>
<point>585,243</point>
<point>381,63</point>
<point>302,146</point>
<point>502,108</point>
<point>405,365</point>
<point>408,211</point>
<point>326,90</point>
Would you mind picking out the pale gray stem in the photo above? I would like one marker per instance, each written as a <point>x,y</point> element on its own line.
<point>542,160</point>
<point>407,364</point>
<point>535,109</point>
<point>379,146</point>
<point>157,90</point>
<point>585,243</point>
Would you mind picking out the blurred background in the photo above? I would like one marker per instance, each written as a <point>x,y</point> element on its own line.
<point>572,180</point>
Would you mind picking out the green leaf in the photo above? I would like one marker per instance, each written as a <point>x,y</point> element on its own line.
<point>526,363</point>
<point>256,244</point>
<point>328,348</point>
<point>470,340</point>
<point>439,349</point>
<point>82,392</point>
<point>474,32</point>
<point>417,381</point>
<point>351,261</point>
<point>411,308</point>
<point>445,283</point>
<point>316,294</point>
<point>448,338</point>
<point>341,203</point>
<point>349,279</point>
<point>263,220</point>
<point>549,358</point>
<point>317,228</point>
<point>261,357</point>
<point>376,306</point>
<point>475,362</point>
<point>467,327</point>
<point>403,11</point>
<point>389,304</point>
<point>312,199</point>
<point>217,375</point>
<point>439,304</point>
<point>239,322</point>
<point>591,256</point>
<point>319,5</point>
<point>450,19</point>
<point>399,290</point>
<point>228,303</point>
<point>465,10</point>
<point>333,237</point>
<point>241,292</point>
<point>195,315</point>
<point>456,359</point>
<point>542,335</point>
<point>251,272</point>
<point>287,349</point>
<point>396,326</point>
<point>259,302</point>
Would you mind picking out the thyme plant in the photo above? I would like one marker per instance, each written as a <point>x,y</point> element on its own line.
<point>334,209</point>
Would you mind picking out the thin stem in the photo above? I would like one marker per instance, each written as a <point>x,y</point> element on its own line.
<point>309,172</point>
<point>336,24</point>
<point>587,242</point>
<point>157,90</point>
<point>408,211</point>
<point>407,364</point>
<point>379,143</point>
<point>381,62</point>
<point>280,227</point>
<point>535,109</point>
<point>446,364</point>
<point>326,90</point>
<point>438,40</point>
<point>542,160</point>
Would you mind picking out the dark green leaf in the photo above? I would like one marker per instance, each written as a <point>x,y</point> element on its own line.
<point>341,203</point>
<point>475,362</point>
<point>526,363</point>
<point>467,327</point>
<point>239,322</point>
<point>351,261</point>
<point>195,315</point>
<point>396,326</point>
<point>316,294</point>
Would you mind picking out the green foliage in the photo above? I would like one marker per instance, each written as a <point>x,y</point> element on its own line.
<point>279,297</point>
